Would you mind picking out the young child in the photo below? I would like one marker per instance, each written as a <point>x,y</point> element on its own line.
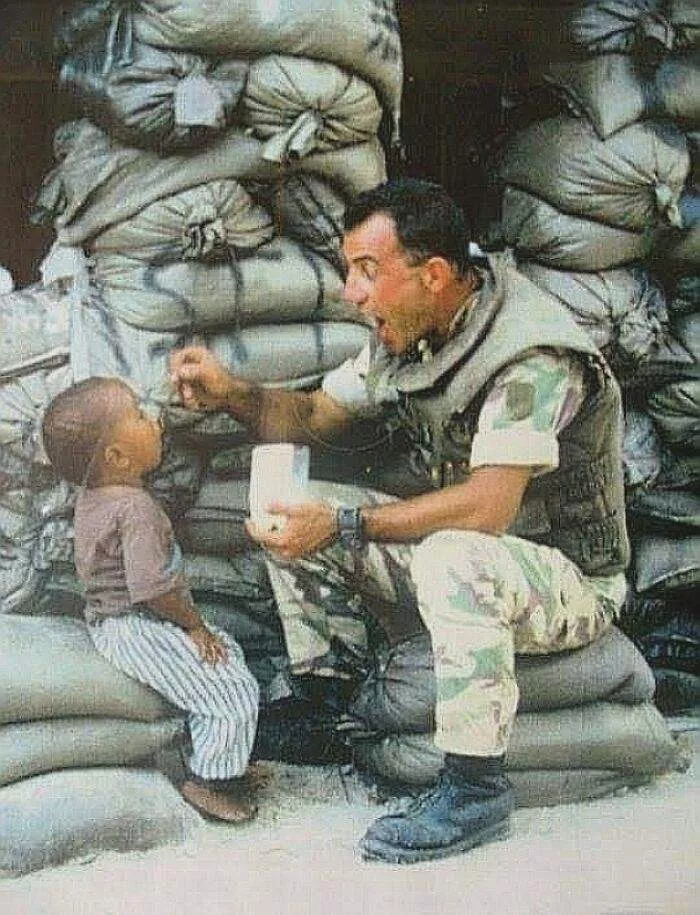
<point>139,609</point>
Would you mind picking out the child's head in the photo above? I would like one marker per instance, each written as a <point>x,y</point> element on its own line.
<point>95,433</point>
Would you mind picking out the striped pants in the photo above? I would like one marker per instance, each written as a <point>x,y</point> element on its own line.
<point>221,701</point>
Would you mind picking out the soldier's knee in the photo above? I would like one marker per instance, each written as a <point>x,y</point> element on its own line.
<point>455,548</point>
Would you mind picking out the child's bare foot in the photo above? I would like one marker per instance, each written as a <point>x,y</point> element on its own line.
<point>230,805</point>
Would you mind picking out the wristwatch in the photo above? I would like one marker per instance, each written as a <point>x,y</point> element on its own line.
<point>351,525</point>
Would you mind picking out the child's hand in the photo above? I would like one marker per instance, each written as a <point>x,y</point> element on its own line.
<point>210,647</point>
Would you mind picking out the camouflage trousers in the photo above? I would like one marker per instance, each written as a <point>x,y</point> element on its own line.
<point>483,599</point>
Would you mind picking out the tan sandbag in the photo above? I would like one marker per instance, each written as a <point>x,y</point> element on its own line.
<point>98,182</point>
<point>631,181</point>
<point>33,747</point>
<point>207,222</point>
<point>61,816</point>
<point>34,326</point>
<point>278,282</point>
<point>301,106</point>
<point>362,36</point>
<point>49,668</point>
<point>538,231</point>
<point>628,742</point>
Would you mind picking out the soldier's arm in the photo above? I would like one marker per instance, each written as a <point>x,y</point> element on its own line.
<point>271,414</point>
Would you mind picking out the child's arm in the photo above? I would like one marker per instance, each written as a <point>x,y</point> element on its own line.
<point>179,609</point>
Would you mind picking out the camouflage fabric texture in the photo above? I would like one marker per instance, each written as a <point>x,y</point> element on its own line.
<point>483,599</point>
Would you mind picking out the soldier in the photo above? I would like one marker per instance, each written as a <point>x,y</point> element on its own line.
<point>518,542</point>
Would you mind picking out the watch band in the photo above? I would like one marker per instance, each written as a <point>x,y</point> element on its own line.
<point>350,524</point>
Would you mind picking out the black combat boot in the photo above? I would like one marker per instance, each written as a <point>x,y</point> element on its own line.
<point>470,805</point>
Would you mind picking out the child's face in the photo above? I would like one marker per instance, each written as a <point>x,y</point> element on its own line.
<point>137,436</point>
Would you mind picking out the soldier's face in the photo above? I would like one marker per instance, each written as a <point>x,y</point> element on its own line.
<point>387,288</point>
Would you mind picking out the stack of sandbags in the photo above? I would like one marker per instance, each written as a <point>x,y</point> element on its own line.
<point>600,204</point>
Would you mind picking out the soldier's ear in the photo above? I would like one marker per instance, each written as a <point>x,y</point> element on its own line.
<point>437,275</point>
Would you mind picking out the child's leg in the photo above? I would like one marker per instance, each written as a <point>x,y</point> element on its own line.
<point>221,701</point>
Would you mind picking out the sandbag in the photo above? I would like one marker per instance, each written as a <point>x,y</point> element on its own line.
<point>540,232</point>
<point>618,744</point>
<point>674,358</point>
<point>278,282</point>
<point>632,181</point>
<point>624,311</point>
<point>33,330</point>
<point>675,408</point>
<point>288,354</point>
<point>362,36</point>
<point>146,96</point>
<point>601,26</point>
<point>207,222</point>
<point>215,523</point>
<point>49,668</point>
<point>33,747</point>
<point>54,818</point>
<point>400,695</point>
<point>586,88</point>
<point>666,562</point>
<point>98,182</point>
<point>301,106</point>
<point>308,210</point>
<point>666,510</point>
<point>641,450</point>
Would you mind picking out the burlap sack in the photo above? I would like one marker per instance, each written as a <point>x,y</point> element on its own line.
<point>624,311</point>
<point>33,747</point>
<point>362,36</point>
<point>600,747</point>
<point>46,666</point>
<point>99,183</point>
<point>278,282</point>
<point>33,330</point>
<point>207,222</point>
<point>601,26</point>
<point>538,231</point>
<point>146,96</point>
<point>301,106</point>
<point>54,818</point>
<point>632,181</point>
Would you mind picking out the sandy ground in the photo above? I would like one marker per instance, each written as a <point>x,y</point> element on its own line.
<point>634,854</point>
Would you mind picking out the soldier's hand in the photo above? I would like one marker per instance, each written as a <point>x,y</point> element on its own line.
<point>307,528</point>
<point>200,379</point>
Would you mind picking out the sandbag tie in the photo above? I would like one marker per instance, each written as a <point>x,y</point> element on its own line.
<point>297,140</point>
<point>667,204</point>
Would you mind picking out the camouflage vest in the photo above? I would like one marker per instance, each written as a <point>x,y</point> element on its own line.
<point>579,507</point>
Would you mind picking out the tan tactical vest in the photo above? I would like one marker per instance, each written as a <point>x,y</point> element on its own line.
<point>579,507</point>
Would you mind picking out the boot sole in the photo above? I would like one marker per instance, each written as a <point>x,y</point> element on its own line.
<point>373,850</point>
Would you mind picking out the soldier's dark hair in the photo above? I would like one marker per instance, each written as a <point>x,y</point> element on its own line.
<point>77,423</point>
<point>428,221</point>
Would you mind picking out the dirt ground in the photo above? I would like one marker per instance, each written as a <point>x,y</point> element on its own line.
<point>634,854</point>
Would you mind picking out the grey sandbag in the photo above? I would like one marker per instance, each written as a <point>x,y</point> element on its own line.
<point>362,36</point>
<point>630,26</point>
<point>671,92</point>
<point>99,182</point>
<point>215,523</point>
<point>33,329</point>
<point>299,106</point>
<point>675,409</point>
<point>146,96</point>
<point>629,741</point>
<point>668,510</point>
<point>206,222</point>
<point>287,354</point>
<point>399,696</point>
<point>632,181</point>
<point>680,248</point>
<point>54,818</point>
<point>538,231</point>
<point>624,311</point>
<point>306,209</point>
<point>49,668</point>
<point>33,747</point>
<point>278,282</point>
<point>666,562</point>
<point>641,450</point>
